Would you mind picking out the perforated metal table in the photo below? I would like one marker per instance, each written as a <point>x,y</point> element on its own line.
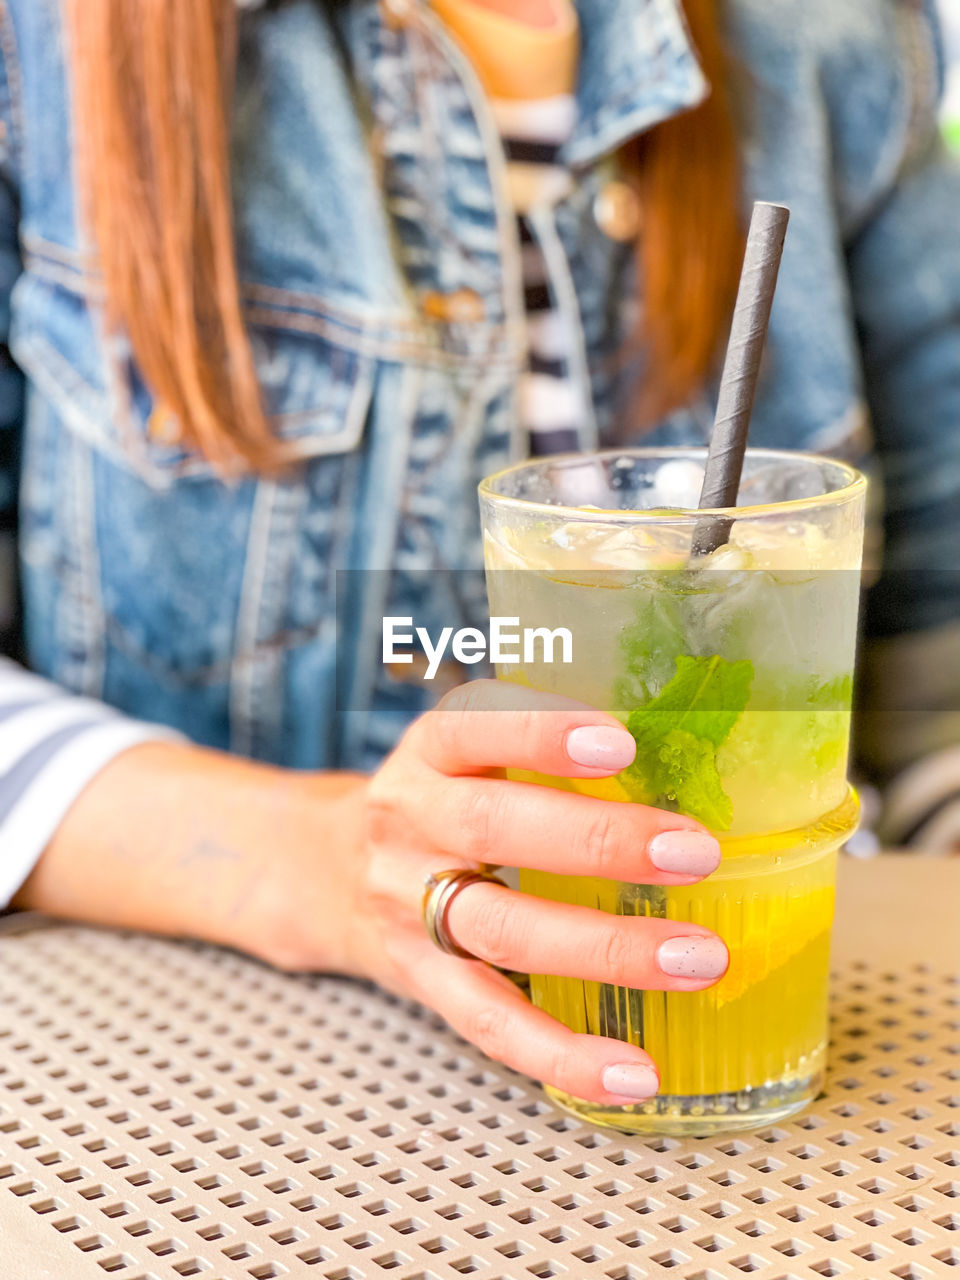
<point>169,1110</point>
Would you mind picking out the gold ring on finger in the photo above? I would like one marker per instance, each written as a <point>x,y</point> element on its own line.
<point>439,892</point>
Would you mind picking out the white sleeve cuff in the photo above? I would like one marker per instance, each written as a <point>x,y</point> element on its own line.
<point>32,816</point>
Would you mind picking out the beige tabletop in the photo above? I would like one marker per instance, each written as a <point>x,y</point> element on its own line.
<point>903,908</point>
<point>170,1110</point>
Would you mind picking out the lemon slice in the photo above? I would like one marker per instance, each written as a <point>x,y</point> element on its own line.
<point>770,933</point>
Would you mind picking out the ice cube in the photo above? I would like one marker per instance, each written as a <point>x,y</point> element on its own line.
<point>498,554</point>
<point>789,547</point>
<point>639,547</point>
<point>728,557</point>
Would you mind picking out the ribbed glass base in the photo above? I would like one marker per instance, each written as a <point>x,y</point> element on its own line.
<point>751,1049</point>
<point>703,1115</point>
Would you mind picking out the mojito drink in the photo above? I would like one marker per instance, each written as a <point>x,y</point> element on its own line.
<point>733,673</point>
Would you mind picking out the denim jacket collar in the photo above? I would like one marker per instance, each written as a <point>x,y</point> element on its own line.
<point>637,67</point>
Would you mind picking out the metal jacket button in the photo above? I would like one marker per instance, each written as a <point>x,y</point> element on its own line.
<point>163,427</point>
<point>463,306</point>
<point>617,211</point>
<point>396,13</point>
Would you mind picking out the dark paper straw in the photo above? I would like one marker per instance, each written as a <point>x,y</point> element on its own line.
<point>738,382</point>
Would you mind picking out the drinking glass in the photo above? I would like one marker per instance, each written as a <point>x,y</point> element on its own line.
<point>732,669</point>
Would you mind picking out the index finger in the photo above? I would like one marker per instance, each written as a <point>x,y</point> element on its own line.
<point>492,724</point>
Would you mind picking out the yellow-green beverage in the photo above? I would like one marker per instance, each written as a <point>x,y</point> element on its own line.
<point>733,673</point>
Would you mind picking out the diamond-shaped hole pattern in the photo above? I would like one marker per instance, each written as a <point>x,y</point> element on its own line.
<point>171,1109</point>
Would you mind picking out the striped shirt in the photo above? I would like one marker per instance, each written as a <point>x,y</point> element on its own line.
<point>550,404</point>
<point>527,66</point>
<point>51,745</point>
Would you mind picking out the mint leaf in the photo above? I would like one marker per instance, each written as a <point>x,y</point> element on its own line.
<point>679,732</point>
<point>691,780</point>
<point>705,697</point>
<point>834,695</point>
<point>650,645</point>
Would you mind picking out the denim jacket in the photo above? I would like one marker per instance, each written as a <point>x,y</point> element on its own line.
<point>380,271</point>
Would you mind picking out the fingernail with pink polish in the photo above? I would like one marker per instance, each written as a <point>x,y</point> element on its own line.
<point>630,1080</point>
<point>601,746</point>
<point>693,957</point>
<point>685,853</point>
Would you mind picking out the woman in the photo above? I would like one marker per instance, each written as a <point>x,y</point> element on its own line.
<point>223,409</point>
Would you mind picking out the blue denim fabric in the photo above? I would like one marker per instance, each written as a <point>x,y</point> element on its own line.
<point>369,181</point>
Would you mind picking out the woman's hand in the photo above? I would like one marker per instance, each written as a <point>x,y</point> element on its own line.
<point>327,871</point>
<point>440,802</point>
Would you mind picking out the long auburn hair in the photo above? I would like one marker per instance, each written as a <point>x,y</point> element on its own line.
<point>153,81</point>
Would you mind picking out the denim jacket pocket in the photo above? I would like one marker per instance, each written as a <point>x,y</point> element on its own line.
<point>316,391</point>
<point>150,581</point>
